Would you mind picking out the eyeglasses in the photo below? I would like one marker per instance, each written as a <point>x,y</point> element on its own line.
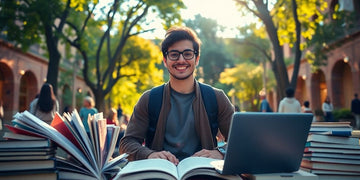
<point>187,54</point>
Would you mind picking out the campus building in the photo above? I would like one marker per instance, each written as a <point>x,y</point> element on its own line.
<point>340,77</point>
<point>22,75</point>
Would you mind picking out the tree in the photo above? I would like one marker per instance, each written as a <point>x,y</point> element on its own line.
<point>29,22</point>
<point>118,21</point>
<point>214,58</point>
<point>286,22</point>
<point>129,89</point>
<point>337,25</point>
<point>254,50</point>
<point>246,78</point>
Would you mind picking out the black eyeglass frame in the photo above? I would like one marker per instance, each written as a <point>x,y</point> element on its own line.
<point>181,53</point>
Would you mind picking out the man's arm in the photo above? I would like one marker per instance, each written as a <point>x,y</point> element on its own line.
<point>225,113</point>
<point>135,134</point>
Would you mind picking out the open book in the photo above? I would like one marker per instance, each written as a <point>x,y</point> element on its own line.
<point>163,169</point>
<point>91,156</point>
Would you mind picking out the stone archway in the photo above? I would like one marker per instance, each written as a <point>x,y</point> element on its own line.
<point>28,90</point>
<point>7,90</point>
<point>318,89</point>
<point>342,86</point>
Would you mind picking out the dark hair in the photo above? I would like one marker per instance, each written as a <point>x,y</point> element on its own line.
<point>290,92</point>
<point>46,99</point>
<point>176,34</point>
<point>306,103</point>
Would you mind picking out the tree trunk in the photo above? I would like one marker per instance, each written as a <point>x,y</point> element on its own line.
<point>278,64</point>
<point>100,100</point>
<point>54,57</point>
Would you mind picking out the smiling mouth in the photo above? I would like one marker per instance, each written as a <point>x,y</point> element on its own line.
<point>181,67</point>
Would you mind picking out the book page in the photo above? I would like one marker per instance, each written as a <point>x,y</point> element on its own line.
<point>53,134</point>
<point>191,163</point>
<point>102,139</point>
<point>113,134</point>
<point>149,165</point>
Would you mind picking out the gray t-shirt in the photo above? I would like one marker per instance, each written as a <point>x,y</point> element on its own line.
<point>181,138</point>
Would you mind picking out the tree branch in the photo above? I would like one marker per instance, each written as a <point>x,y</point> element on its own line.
<point>245,4</point>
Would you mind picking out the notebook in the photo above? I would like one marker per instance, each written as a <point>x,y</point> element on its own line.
<point>266,142</point>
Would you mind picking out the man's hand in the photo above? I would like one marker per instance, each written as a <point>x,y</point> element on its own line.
<point>164,155</point>
<point>215,154</point>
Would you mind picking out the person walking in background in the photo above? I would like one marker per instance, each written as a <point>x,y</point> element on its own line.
<point>112,117</point>
<point>264,106</point>
<point>307,108</point>
<point>119,112</point>
<point>355,109</point>
<point>289,104</point>
<point>88,108</point>
<point>327,108</point>
<point>45,105</point>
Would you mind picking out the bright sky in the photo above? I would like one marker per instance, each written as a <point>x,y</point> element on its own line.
<point>225,12</point>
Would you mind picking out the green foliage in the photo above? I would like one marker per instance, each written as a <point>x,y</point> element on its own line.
<point>214,57</point>
<point>250,48</point>
<point>105,36</point>
<point>246,79</point>
<point>139,76</point>
<point>343,113</point>
<point>23,21</point>
<point>328,32</point>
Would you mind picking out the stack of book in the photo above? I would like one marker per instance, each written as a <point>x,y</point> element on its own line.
<point>88,156</point>
<point>331,152</point>
<point>27,159</point>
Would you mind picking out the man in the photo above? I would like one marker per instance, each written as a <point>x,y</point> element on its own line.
<point>355,109</point>
<point>289,104</point>
<point>327,107</point>
<point>183,128</point>
<point>264,106</point>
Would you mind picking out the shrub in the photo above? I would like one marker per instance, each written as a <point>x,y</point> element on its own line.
<point>343,113</point>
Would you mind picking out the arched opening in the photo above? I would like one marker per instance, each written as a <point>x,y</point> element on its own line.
<point>318,89</point>
<point>28,90</point>
<point>7,90</point>
<point>342,87</point>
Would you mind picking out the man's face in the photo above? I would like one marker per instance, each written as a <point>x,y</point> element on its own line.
<point>181,68</point>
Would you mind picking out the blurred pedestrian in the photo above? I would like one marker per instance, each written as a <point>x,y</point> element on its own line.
<point>289,104</point>
<point>307,108</point>
<point>45,105</point>
<point>112,117</point>
<point>119,111</point>
<point>87,109</point>
<point>355,109</point>
<point>264,106</point>
<point>327,108</point>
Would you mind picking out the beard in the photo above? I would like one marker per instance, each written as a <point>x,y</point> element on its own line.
<point>180,78</point>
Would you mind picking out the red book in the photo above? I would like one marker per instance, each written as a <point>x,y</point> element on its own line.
<point>59,124</point>
<point>17,130</point>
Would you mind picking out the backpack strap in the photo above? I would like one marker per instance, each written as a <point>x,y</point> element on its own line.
<point>155,103</point>
<point>211,106</point>
<point>154,108</point>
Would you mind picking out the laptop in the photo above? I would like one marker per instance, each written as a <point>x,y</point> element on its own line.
<point>266,142</point>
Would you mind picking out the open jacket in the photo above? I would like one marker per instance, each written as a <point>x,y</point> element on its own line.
<point>133,140</point>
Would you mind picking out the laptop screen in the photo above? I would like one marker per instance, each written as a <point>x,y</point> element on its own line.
<point>266,142</point>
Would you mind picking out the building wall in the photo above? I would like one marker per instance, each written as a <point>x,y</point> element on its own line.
<point>21,78</point>
<point>339,79</point>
